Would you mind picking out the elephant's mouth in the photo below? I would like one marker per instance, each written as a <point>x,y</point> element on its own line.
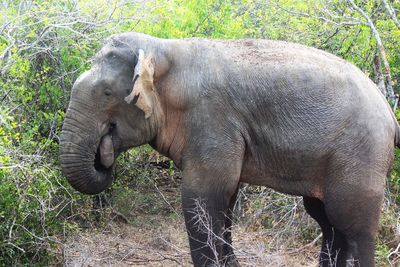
<point>87,158</point>
<point>106,152</point>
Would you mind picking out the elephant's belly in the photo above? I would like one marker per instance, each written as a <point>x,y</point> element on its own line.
<point>289,179</point>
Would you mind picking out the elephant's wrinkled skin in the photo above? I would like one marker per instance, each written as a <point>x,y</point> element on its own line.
<point>295,119</point>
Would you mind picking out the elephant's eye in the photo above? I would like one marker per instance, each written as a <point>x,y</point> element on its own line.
<point>107,92</point>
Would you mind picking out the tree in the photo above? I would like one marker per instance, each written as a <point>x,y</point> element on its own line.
<point>388,91</point>
<point>350,30</point>
<point>391,13</point>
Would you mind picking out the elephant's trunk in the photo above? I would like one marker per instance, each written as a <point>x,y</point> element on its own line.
<point>86,152</point>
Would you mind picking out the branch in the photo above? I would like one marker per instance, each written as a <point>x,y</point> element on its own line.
<point>369,22</point>
<point>395,253</point>
<point>376,66</point>
<point>322,18</point>
<point>329,37</point>
<point>388,78</point>
<point>391,13</point>
<point>204,19</point>
<point>312,243</point>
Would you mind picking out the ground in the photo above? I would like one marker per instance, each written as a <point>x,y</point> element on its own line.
<point>121,244</point>
<point>144,226</point>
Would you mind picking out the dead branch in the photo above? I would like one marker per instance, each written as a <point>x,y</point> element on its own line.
<point>394,254</point>
<point>349,22</point>
<point>311,244</point>
<point>391,13</point>
<point>32,33</point>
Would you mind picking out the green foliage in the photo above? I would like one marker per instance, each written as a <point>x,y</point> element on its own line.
<point>35,84</point>
<point>211,18</point>
<point>30,212</point>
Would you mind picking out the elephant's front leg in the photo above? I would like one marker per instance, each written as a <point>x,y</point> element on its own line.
<point>208,189</point>
<point>205,217</point>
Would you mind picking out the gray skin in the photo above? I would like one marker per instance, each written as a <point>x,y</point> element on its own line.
<point>293,118</point>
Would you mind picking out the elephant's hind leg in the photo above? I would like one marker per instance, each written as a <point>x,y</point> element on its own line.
<point>354,210</point>
<point>333,248</point>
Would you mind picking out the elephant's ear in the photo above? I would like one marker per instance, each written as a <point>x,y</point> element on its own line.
<point>143,87</point>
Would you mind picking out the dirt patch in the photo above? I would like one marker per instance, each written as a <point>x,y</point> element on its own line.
<point>120,244</point>
<point>144,226</point>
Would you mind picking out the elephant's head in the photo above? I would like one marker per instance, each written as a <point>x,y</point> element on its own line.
<point>113,107</point>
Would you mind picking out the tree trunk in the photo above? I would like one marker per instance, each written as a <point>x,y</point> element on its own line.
<point>379,79</point>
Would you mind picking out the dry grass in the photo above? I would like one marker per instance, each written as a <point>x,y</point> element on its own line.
<point>166,244</point>
<point>126,245</point>
<point>270,229</point>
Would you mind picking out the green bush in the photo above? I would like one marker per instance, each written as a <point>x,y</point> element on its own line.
<point>37,74</point>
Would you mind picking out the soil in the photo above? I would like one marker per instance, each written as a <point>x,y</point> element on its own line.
<point>144,227</point>
<point>165,244</point>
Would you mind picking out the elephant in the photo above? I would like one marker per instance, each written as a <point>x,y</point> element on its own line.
<point>271,113</point>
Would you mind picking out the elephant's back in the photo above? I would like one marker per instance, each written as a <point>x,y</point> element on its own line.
<point>280,70</point>
<point>262,52</point>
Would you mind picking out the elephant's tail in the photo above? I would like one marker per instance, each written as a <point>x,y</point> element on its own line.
<point>396,126</point>
<point>397,135</point>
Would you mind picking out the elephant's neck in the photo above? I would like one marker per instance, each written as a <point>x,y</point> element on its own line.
<point>171,131</point>
<point>171,136</point>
